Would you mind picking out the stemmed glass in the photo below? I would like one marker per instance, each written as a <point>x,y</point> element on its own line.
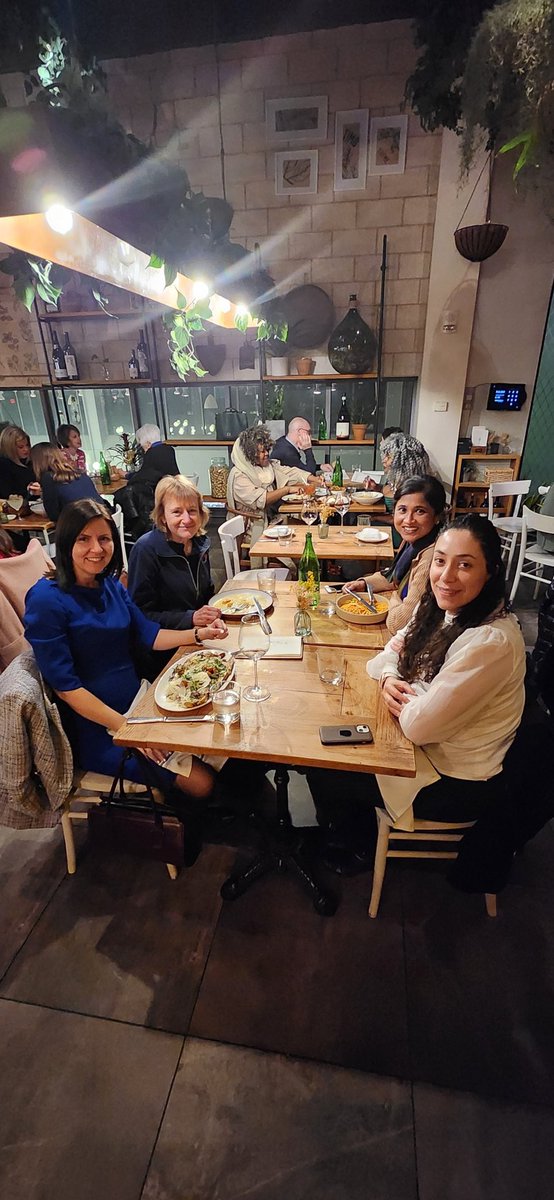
<point>15,502</point>
<point>253,643</point>
<point>342,505</point>
<point>309,510</point>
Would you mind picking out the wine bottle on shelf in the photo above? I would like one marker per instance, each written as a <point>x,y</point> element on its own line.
<point>71,365</point>
<point>342,427</point>
<point>142,357</point>
<point>105,476</point>
<point>133,366</point>
<point>322,430</point>
<point>58,359</point>
<point>336,478</point>
<point>308,569</point>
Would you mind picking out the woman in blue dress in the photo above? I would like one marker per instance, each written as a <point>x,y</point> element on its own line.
<point>82,626</point>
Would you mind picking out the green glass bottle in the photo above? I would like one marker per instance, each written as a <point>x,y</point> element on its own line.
<point>322,430</point>
<point>308,569</point>
<point>104,469</point>
<point>336,478</point>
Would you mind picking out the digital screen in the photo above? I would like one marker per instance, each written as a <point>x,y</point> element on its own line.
<point>506,397</point>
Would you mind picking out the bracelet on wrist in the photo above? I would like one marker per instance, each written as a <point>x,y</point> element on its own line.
<point>197,637</point>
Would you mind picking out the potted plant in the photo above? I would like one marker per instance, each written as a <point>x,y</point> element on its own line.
<point>359,417</point>
<point>274,408</point>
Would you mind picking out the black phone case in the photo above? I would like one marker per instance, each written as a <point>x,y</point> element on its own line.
<point>333,735</point>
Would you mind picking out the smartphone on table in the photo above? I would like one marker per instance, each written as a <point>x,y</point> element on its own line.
<point>345,735</point>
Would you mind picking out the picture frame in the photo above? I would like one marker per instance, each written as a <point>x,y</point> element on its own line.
<point>387,145</point>
<point>296,172</point>
<point>351,149</point>
<point>296,119</point>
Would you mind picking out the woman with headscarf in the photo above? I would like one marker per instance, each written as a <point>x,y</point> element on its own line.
<point>255,485</point>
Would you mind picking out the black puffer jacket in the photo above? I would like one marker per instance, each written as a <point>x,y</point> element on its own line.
<point>136,501</point>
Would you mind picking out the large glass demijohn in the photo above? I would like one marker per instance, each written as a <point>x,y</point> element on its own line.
<point>352,345</point>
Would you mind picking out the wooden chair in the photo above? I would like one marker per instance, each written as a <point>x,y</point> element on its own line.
<point>532,559</point>
<point>509,528</point>
<point>231,533</point>
<point>89,788</point>
<point>118,522</point>
<point>423,831</point>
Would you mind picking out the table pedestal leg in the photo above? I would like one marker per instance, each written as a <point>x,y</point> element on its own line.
<point>282,851</point>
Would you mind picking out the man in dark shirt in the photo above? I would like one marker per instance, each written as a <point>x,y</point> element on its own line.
<point>159,459</point>
<point>295,450</point>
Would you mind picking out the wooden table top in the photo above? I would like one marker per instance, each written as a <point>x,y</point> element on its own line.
<point>285,728</point>
<point>334,546</point>
<point>294,507</point>
<point>30,523</point>
<point>327,629</point>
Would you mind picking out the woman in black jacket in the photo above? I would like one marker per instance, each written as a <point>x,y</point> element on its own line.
<point>169,568</point>
<point>16,471</point>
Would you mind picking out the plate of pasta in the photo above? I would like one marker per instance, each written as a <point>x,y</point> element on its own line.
<point>240,603</point>
<point>191,682</point>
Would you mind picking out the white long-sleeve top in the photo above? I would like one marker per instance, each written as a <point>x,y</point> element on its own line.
<point>465,720</point>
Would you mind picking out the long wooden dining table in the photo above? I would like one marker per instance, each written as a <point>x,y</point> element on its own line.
<point>284,730</point>
<point>337,545</point>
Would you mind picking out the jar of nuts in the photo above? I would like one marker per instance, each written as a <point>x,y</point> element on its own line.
<point>219,473</point>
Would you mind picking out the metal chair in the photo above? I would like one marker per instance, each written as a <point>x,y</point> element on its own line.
<point>423,831</point>
<point>509,528</point>
<point>533,557</point>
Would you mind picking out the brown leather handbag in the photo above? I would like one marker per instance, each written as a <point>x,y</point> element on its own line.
<point>136,824</point>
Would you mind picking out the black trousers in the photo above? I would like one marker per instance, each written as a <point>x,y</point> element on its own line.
<point>345,800</point>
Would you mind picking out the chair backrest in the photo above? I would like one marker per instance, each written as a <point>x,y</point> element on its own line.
<point>18,574</point>
<point>229,534</point>
<point>518,488</point>
<point>536,521</point>
<point>118,522</point>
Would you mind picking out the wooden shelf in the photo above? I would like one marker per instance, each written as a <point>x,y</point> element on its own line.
<point>101,383</point>
<point>344,442</point>
<point>199,442</point>
<point>314,378</point>
<point>91,315</point>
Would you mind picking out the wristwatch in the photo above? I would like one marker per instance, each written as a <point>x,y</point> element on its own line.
<point>197,637</point>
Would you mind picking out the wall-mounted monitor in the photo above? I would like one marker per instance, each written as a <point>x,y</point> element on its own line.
<point>506,397</point>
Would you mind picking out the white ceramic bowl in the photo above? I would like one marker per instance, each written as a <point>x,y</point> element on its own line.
<point>367,497</point>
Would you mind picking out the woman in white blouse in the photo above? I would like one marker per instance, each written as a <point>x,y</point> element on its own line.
<point>453,678</point>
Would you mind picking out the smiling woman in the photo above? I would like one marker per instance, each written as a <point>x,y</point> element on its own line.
<point>453,679</point>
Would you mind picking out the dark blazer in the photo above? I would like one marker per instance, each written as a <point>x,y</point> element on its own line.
<point>287,454</point>
<point>167,585</point>
<point>14,477</point>
<point>158,461</point>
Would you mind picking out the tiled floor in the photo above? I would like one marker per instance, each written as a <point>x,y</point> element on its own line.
<point>159,1045</point>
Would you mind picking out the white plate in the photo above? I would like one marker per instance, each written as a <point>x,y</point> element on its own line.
<point>160,695</point>
<point>294,497</point>
<point>10,516</point>
<point>277,531</point>
<point>371,535</point>
<point>224,602</point>
<point>367,497</point>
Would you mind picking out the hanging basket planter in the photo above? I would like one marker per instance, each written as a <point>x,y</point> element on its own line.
<point>478,242</point>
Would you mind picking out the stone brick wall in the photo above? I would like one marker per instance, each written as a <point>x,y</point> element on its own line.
<point>332,239</point>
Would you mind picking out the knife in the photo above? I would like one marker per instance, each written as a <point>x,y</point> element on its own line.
<point>161,720</point>
<point>263,619</point>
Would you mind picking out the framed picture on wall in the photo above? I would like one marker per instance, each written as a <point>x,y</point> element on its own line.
<point>303,119</point>
<point>387,145</point>
<point>295,172</point>
<point>351,149</point>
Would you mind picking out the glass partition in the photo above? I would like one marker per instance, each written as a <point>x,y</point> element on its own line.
<point>361,400</point>
<point>23,407</point>
<point>190,412</point>
<point>101,414</point>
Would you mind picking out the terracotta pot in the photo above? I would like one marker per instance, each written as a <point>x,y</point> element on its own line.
<point>305,366</point>
<point>359,432</point>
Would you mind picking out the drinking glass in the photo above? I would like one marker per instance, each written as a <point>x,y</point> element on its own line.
<point>253,643</point>
<point>15,502</point>
<point>266,581</point>
<point>330,665</point>
<point>309,512</point>
<point>342,505</point>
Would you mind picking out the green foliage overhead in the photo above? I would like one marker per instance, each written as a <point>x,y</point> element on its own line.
<point>434,87</point>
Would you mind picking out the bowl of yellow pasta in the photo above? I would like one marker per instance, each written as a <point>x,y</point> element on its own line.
<point>351,609</point>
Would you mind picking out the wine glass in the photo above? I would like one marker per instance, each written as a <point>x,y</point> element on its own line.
<point>15,502</point>
<point>309,510</point>
<point>253,643</point>
<point>342,504</point>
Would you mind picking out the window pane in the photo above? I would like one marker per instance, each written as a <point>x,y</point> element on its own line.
<point>248,398</point>
<point>191,411</point>
<point>146,407</point>
<point>361,400</point>
<point>101,415</point>
<point>23,407</point>
<point>291,399</point>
